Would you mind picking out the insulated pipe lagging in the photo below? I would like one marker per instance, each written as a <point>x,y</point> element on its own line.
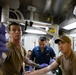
<point>5,13</point>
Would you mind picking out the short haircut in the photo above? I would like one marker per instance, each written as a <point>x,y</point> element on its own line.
<point>29,51</point>
<point>12,23</point>
<point>42,38</point>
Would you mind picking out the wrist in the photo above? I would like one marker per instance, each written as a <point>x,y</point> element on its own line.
<point>36,65</point>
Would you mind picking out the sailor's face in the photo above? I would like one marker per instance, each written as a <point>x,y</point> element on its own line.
<point>64,46</point>
<point>15,32</point>
<point>42,44</point>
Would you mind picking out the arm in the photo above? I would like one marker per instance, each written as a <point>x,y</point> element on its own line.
<point>23,67</point>
<point>2,40</point>
<point>44,70</point>
<point>29,62</point>
<point>4,56</point>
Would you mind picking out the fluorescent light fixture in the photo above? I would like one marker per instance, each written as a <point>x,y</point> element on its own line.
<point>70,26</point>
<point>35,31</point>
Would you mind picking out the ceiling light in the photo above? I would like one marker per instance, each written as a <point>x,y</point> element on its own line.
<point>70,26</point>
<point>35,31</point>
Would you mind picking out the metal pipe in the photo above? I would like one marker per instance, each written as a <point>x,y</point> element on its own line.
<point>5,13</point>
<point>21,15</point>
<point>15,20</point>
<point>15,13</point>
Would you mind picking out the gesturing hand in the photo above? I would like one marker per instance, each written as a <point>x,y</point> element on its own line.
<point>42,65</point>
<point>2,40</point>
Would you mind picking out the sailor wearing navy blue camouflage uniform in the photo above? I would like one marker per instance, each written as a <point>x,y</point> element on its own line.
<point>42,53</point>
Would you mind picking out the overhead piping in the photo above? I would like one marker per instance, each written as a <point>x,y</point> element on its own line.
<point>48,5</point>
<point>5,13</point>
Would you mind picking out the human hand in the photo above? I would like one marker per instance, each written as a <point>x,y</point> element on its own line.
<point>42,65</point>
<point>51,61</point>
<point>31,68</point>
<point>2,40</point>
<point>2,43</point>
<point>2,29</point>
